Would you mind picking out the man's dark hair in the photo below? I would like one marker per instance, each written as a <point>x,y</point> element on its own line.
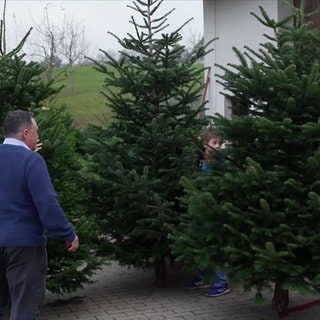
<point>15,121</point>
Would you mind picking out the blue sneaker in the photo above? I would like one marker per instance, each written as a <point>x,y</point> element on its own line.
<point>196,282</point>
<point>217,291</point>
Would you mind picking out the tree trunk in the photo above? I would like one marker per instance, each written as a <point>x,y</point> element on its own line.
<point>280,300</point>
<point>160,273</point>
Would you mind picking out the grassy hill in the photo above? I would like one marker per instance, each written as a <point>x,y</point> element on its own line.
<point>86,103</point>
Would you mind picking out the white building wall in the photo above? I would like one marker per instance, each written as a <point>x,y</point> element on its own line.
<point>232,23</point>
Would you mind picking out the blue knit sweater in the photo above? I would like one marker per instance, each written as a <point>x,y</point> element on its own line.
<point>28,201</point>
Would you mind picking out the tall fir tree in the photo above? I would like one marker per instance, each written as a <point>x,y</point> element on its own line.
<point>151,141</point>
<point>258,217</point>
<point>66,272</point>
<point>22,87</point>
<point>21,84</point>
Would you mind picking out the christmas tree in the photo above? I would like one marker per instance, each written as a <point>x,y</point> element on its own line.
<point>66,272</point>
<point>22,87</point>
<point>257,218</point>
<point>151,141</point>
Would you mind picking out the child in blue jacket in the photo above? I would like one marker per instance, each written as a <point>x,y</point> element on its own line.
<point>211,143</point>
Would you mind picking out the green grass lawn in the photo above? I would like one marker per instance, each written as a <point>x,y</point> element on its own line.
<point>86,104</point>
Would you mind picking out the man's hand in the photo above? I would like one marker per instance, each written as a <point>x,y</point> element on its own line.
<point>38,146</point>
<point>74,245</point>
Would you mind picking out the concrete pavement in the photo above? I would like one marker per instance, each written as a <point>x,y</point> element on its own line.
<point>119,293</point>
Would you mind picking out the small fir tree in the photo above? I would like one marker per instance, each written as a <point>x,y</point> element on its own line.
<point>150,143</point>
<point>258,218</point>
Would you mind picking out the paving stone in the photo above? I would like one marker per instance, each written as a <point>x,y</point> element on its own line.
<point>119,293</point>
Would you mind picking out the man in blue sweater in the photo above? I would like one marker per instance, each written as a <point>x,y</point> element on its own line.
<point>28,208</point>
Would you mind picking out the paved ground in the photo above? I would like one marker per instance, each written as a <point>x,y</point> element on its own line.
<point>118,293</point>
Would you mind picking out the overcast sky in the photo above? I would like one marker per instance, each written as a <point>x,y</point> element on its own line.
<point>98,17</point>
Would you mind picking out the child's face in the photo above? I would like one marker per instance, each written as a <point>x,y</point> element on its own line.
<point>213,143</point>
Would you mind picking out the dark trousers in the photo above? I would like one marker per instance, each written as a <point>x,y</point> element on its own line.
<point>4,291</point>
<point>23,275</point>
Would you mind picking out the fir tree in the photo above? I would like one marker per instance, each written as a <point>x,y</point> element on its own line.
<point>22,87</point>
<point>151,141</point>
<point>258,218</point>
<point>21,84</point>
<point>66,272</point>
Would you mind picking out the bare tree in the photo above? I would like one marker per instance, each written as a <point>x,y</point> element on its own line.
<point>3,36</point>
<point>56,45</point>
<point>47,40</point>
<point>3,30</point>
<point>73,47</point>
<point>194,42</point>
